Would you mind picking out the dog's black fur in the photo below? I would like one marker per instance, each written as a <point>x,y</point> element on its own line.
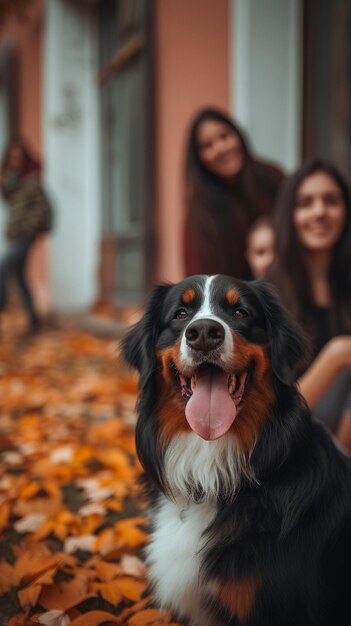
<point>283,539</point>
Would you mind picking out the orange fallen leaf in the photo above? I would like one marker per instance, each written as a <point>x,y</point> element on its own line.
<point>105,542</point>
<point>4,514</point>
<point>65,595</point>
<point>108,431</point>
<point>90,523</point>
<point>33,561</point>
<point>130,588</point>
<point>47,577</point>
<point>37,560</point>
<point>29,491</point>
<point>8,577</point>
<point>148,617</point>
<point>47,528</point>
<point>129,531</point>
<point>95,618</point>
<point>137,606</point>
<point>114,505</point>
<point>49,505</point>
<point>105,571</point>
<point>28,596</point>
<point>117,459</point>
<point>64,523</point>
<point>109,591</point>
<point>130,386</point>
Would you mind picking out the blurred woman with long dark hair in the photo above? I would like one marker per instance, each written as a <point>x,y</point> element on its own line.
<point>227,189</point>
<point>312,274</point>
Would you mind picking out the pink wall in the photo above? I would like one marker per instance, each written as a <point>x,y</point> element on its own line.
<point>28,35</point>
<point>192,71</point>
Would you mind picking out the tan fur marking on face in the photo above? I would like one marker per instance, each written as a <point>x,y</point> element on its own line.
<point>188,296</point>
<point>232,296</point>
<point>258,399</point>
<point>170,411</point>
<point>169,357</point>
<point>255,408</point>
<point>238,597</point>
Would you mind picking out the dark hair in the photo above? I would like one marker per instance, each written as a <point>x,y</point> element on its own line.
<point>29,162</point>
<point>218,208</point>
<point>262,222</point>
<point>289,271</point>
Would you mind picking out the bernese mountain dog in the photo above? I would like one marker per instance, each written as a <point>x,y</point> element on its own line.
<point>250,499</point>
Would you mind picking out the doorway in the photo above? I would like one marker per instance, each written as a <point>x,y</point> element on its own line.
<point>126,150</point>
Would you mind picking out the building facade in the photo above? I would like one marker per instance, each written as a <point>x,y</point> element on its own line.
<point>105,92</point>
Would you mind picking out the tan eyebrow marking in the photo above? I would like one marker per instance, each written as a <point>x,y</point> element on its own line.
<point>188,295</point>
<point>232,296</point>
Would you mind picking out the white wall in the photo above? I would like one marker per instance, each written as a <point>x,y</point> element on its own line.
<point>266,77</point>
<point>71,138</point>
<point>5,122</point>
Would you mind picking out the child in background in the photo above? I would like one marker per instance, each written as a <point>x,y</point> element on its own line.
<point>260,247</point>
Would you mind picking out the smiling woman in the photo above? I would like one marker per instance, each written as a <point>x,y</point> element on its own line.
<point>220,148</point>
<point>312,273</point>
<point>320,213</point>
<point>227,189</point>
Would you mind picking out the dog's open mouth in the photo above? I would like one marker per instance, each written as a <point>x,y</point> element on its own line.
<point>212,399</point>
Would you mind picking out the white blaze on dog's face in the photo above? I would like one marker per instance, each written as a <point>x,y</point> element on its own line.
<point>212,346</point>
<point>207,339</point>
<point>189,357</point>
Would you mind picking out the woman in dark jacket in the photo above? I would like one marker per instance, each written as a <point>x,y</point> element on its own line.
<point>29,214</point>
<point>312,274</point>
<point>227,189</point>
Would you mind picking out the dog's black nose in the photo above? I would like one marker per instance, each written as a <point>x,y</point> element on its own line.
<point>205,335</point>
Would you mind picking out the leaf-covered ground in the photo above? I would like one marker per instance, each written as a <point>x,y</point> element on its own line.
<point>72,524</point>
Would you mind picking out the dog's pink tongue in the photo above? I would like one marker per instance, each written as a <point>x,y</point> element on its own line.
<point>210,411</point>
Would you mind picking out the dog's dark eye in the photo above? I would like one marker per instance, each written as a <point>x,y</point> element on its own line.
<point>239,313</point>
<point>181,314</point>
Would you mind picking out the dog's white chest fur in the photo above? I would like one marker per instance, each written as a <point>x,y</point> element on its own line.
<point>178,542</point>
<point>174,556</point>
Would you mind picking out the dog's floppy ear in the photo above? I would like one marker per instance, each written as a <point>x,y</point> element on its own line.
<point>288,345</point>
<point>138,346</point>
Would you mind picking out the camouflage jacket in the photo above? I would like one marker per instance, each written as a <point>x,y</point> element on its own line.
<point>29,210</point>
